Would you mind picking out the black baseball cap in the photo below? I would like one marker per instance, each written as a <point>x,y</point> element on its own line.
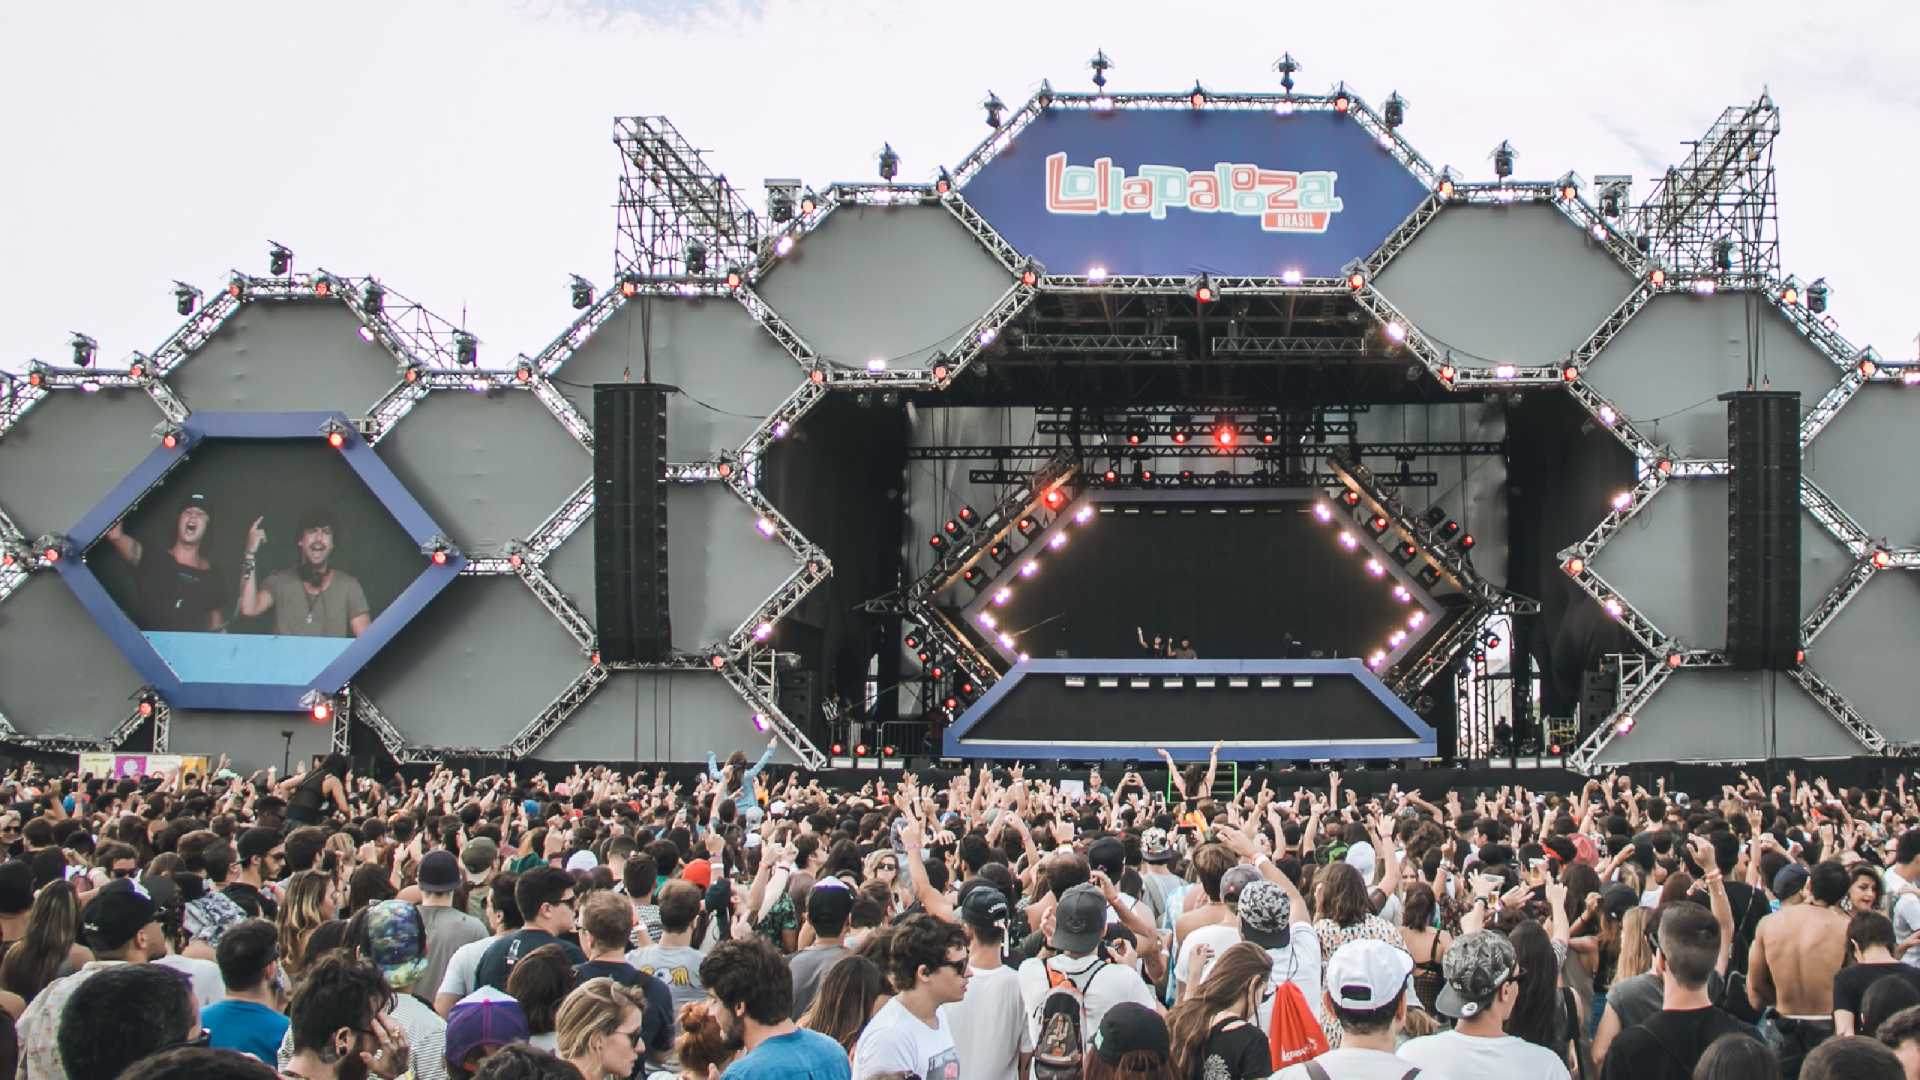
<point>440,872</point>
<point>984,905</point>
<point>256,842</point>
<point>829,903</point>
<point>117,912</point>
<point>1131,1026</point>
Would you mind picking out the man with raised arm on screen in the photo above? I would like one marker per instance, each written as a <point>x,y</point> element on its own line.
<point>311,598</point>
<point>177,589</point>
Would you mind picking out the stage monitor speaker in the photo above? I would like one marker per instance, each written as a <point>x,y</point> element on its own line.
<point>1763,528</point>
<point>798,697</point>
<point>630,522</point>
<point>1599,692</point>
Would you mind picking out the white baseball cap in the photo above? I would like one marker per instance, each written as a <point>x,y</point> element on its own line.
<point>1367,974</point>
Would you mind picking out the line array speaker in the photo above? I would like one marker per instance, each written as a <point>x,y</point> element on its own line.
<point>1763,528</point>
<point>630,522</point>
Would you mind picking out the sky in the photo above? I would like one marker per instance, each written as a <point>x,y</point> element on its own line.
<point>461,151</point>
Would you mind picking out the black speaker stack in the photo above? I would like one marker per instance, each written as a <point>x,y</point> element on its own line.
<point>1763,529</point>
<point>630,522</point>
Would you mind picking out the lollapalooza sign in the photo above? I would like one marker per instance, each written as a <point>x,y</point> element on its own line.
<point>1283,200</point>
<point>1183,191</point>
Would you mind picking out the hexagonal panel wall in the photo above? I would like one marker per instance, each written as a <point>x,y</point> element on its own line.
<point>1823,562</point>
<point>730,371</point>
<point>49,641</point>
<point>489,467</point>
<point>253,740</point>
<point>1867,653</point>
<point>659,716</point>
<point>287,355</point>
<point>1671,562</point>
<point>719,567</point>
<point>68,451</point>
<point>1754,714</point>
<point>1666,370</point>
<point>1504,284</point>
<point>1864,460</point>
<point>570,567</point>
<point>474,667</point>
<point>898,283</point>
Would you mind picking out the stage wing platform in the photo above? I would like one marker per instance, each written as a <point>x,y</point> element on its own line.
<point>1260,710</point>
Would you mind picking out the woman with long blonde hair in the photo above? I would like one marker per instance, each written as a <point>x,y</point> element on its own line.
<point>308,903</point>
<point>598,1029</point>
<point>1214,1031</point>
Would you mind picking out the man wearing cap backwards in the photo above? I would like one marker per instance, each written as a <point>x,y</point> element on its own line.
<point>1105,978</point>
<point>121,924</point>
<point>181,591</point>
<point>1483,984</point>
<point>310,599</point>
<point>448,928</point>
<point>1366,988</point>
<point>989,1024</point>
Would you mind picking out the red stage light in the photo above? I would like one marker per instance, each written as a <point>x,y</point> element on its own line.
<point>136,371</point>
<point>1568,192</point>
<point>1341,104</point>
<point>735,278</point>
<point>439,556</point>
<point>966,514</point>
<point>1267,437</point>
<point>951,526</point>
<point>936,672</point>
<point>336,439</point>
<point>321,288</point>
<point>1203,292</point>
<point>1029,278</point>
<point>1025,525</point>
<point>837,749</point>
<point>1658,277</point>
<point>1674,659</point>
<point>234,289</point>
<point>1379,523</point>
<point>321,712</point>
<point>523,374</point>
<point>724,469</point>
<point>595,658</point>
<point>886,751</point>
<point>1180,438</point>
<point>1467,542</point>
<point>936,541</point>
<point>170,440</point>
<point>1225,435</point>
<point>1868,367</point>
<point>1197,99</point>
<point>146,707</point>
<point>718,660</point>
<point>1665,467</point>
<point>515,561</point>
<point>860,750</point>
<point>1446,373</point>
<point>940,373</point>
<point>52,554</point>
<point>1350,497</point>
<point>966,688</point>
<point>1800,656</point>
<point>817,377</point>
<point>1881,560</point>
<point>6,558</point>
<point>1133,438</point>
<point>1570,373</point>
<point>1446,189</point>
<point>412,375</point>
<point>951,703</point>
<point>1110,476</point>
<point>631,289</point>
<point>1356,281</point>
<point>1576,565</point>
<point>1054,498</point>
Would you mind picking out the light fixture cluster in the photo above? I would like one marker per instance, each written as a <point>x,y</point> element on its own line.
<point>1346,510</point>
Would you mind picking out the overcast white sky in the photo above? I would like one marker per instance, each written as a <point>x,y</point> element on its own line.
<point>461,151</point>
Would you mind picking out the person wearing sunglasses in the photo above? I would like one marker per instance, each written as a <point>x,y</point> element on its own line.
<point>910,1034</point>
<point>600,1029</point>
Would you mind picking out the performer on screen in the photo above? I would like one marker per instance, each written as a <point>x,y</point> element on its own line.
<point>310,599</point>
<point>179,591</point>
<point>1166,647</point>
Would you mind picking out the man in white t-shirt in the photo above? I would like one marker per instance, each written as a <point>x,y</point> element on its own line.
<point>1900,880</point>
<point>459,981</point>
<point>1273,916</point>
<point>910,1033</point>
<point>1366,987</point>
<point>1218,937</point>
<point>1483,984</point>
<point>1079,919</point>
<point>990,1024</point>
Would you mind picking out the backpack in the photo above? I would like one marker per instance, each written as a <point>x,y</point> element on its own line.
<point>1058,1052</point>
<point>1293,1035</point>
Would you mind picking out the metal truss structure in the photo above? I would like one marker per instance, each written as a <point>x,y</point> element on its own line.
<point>1715,212</point>
<point>670,203</point>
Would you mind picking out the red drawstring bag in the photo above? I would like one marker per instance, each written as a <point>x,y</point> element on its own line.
<point>1293,1035</point>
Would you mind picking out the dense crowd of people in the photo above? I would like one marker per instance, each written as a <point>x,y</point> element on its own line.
<point>754,925</point>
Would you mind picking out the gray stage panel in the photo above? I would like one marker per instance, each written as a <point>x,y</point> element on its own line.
<point>1865,460</point>
<point>59,674</point>
<point>660,716</point>
<point>570,568</point>
<point>68,451</point>
<point>899,283</point>
<point>1666,370</point>
<point>251,740</point>
<point>719,567</point>
<point>1824,561</point>
<point>291,355</point>
<point>1671,562</point>
<point>1504,284</point>
<point>1868,653</point>
<point>475,667</point>
<point>730,369</point>
<point>488,467</point>
<point>1714,715</point>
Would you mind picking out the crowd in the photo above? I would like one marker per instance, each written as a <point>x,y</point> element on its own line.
<point>608,925</point>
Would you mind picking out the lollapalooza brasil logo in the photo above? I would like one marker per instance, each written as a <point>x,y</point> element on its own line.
<point>1284,201</point>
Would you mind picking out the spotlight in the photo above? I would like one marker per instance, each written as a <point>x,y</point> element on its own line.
<point>1867,366</point>
<point>1445,187</point>
<point>809,202</point>
<point>1001,596</point>
<point>912,638</point>
<point>1570,373</point>
<point>171,435</point>
<point>945,183</point>
<point>1503,156</point>
<point>1197,97</point>
<point>335,432</point>
<point>995,109</point>
<point>1446,373</point>
<point>1467,541</point>
<point>1405,552</point>
<point>1350,497</point>
<point>734,277</point>
<point>877,365</point>
<point>1397,331</point>
<point>1180,436</point>
<point>1029,568</point>
<point>1613,606</point>
<point>1723,254</point>
<point>966,514</point>
<point>695,257</point>
<point>780,205</point>
<point>322,286</point>
<point>439,555</point>
<point>185,298</point>
<point>951,526</point>
<point>1286,66</point>
<point>1111,476</point>
<point>1224,435</point>
<point>1054,498</point>
<point>889,163</point>
<point>1622,500</point>
<point>1657,277</point>
<point>321,711</point>
<point>1613,200</point>
<point>582,291</point>
<point>763,631</point>
<point>1203,291</point>
<point>1356,281</point>
<point>1000,552</point>
<point>1083,515</point>
<point>760,723</point>
<point>1378,524</point>
<point>1881,559</point>
<point>1492,639</point>
<point>373,297</point>
<point>1099,64</point>
<point>237,287</point>
<point>717,661</point>
<point>1817,294</point>
<point>1342,101</point>
<point>1133,438</point>
<point>523,372</point>
<point>1608,417</point>
<point>1394,110</point>
<point>937,542</point>
<point>1623,725</point>
<point>1025,525</point>
<point>466,349</point>
<point>1348,541</point>
<point>84,348</point>
<point>1030,275</point>
<point>767,528</point>
<point>1428,576</point>
<point>279,259</point>
<point>1790,296</point>
<point>1675,659</point>
<point>783,246</point>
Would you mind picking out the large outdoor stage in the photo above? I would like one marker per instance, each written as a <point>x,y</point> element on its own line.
<point>1157,419</point>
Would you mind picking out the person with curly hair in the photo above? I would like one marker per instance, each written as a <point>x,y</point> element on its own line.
<point>752,994</point>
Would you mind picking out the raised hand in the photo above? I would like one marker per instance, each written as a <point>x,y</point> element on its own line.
<point>256,535</point>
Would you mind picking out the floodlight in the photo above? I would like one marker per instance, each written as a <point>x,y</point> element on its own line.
<point>84,349</point>
<point>466,349</point>
<point>1394,110</point>
<point>1286,66</point>
<point>695,256</point>
<point>1099,64</point>
<point>279,259</point>
<point>889,163</point>
<point>1503,156</point>
<point>995,108</point>
<point>582,290</point>
<point>1817,294</point>
<point>373,297</point>
<point>185,298</point>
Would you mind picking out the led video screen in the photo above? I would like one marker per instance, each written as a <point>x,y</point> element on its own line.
<point>255,561</point>
<point>1234,580</point>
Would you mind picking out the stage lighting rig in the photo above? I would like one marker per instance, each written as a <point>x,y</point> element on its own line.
<point>582,292</point>
<point>1100,65</point>
<point>889,163</point>
<point>373,297</point>
<point>466,349</point>
<point>1503,156</point>
<point>319,706</point>
<point>279,259</point>
<point>1203,290</point>
<point>1197,97</point>
<point>944,183</point>
<point>995,110</point>
<point>1817,295</point>
<point>694,255</point>
<point>781,199</point>
<point>1394,110</point>
<point>185,298</point>
<point>1723,254</point>
<point>84,349</point>
<point>1342,101</point>
<point>1286,66</point>
<point>171,435</point>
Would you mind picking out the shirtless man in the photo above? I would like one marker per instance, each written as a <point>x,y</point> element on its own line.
<point>1796,953</point>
